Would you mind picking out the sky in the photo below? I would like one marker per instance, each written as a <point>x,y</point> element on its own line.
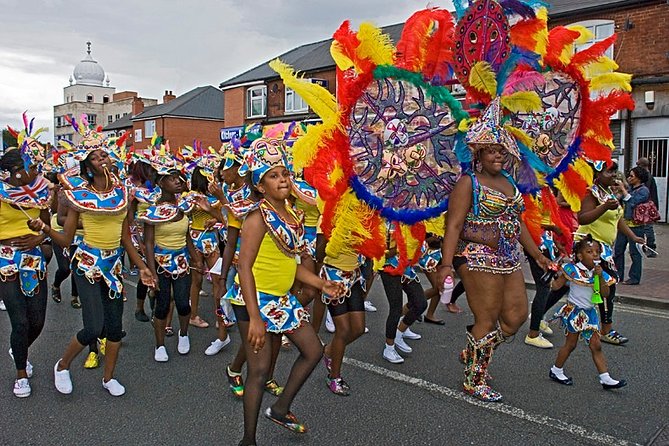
<point>150,46</point>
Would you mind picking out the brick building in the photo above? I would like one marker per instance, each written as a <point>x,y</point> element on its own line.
<point>197,114</point>
<point>642,49</point>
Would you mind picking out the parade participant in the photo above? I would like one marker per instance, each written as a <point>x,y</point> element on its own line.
<point>428,263</point>
<point>347,311</point>
<point>652,188</point>
<point>482,243</point>
<point>24,195</point>
<point>169,251</point>
<point>62,254</point>
<point>637,195</point>
<point>99,198</point>
<point>261,300</point>
<point>395,281</point>
<point>602,216</point>
<point>588,283</point>
<point>143,193</point>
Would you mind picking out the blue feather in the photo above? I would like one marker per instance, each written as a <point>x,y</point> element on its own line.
<point>533,160</point>
<point>460,8</point>
<point>572,153</point>
<point>517,7</point>
<point>517,57</point>
<point>461,149</point>
<point>536,4</point>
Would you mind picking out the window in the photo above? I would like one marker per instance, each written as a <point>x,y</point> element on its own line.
<point>110,119</point>
<point>294,103</point>
<point>117,117</point>
<point>125,114</point>
<point>92,119</point>
<point>149,129</point>
<point>105,99</point>
<point>656,152</point>
<point>256,102</point>
<point>89,97</point>
<point>138,135</point>
<point>601,29</point>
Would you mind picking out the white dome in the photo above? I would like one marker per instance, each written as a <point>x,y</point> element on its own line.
<point>89,71</point>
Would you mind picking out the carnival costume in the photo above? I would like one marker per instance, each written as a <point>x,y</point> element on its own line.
<point>579,314</point>
<point>276,263</point>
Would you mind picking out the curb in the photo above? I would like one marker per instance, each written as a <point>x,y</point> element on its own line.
<point>629,299</point>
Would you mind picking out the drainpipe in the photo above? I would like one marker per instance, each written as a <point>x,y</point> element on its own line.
<point>628,140</point>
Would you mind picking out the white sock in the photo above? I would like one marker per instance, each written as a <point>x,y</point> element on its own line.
<point>605,378</point>
<point>559,372</point>
<point>399,333</point>
<point>391,347</point>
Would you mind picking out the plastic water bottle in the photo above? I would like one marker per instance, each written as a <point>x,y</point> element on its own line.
<point>446,293</point>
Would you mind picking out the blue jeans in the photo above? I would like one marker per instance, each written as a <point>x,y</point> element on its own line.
<point>649,232</point>
<point>634,275</point>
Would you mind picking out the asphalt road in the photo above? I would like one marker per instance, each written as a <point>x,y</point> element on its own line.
<point>187,401</point>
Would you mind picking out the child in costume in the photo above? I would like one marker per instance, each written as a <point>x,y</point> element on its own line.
<point>588,284</point>
<point>168,252</point>
<point>264,308</point>
<point>24,195</point>
<point>100,199</point>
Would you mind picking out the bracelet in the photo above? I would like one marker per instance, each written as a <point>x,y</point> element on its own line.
<point>447,266</point>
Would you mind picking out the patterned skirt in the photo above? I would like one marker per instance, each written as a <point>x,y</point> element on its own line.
<point>348,278</point>
<point>29,265</point>
<point>574,319</point>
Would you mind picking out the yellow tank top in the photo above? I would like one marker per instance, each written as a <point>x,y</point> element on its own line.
<point>347,260</point>
<point>14,223</point>
<point>311,212</point>
<point>199,218</point>
<point>54,223</point>
<point>234,222</point>
<point>605,228</point>
<point>172,235</point>
<point>102,231</point>
<point>273,271</point>
<point>142,207</point>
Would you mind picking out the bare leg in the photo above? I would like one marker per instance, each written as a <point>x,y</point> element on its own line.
<point>597,354</point>
<point>570,344</point>
<point>349,327</point>
<point>111,356</point>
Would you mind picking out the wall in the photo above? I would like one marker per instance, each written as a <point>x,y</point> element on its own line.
<point>78,93</point>
<point>234,109</point>
<point>181,131</point>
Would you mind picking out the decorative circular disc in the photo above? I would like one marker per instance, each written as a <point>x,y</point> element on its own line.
<point>482,34</point>
<point>555,128</point>
<point>402,148</point>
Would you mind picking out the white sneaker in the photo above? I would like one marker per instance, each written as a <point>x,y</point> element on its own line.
<point>22,388</point>
<point>401,345</point>
<point>391,355</point>
<point>408,334</point>
<point>217,346</point>
<point>203,293</point>
<point>545,328</point>
<point>329,323</point>
<point>369,306</point>
<point>366,330</point>
<point>539,341</point>
<point>183,347</point>
<point>114,387</point>
<point>2,305</point>
<point>29,366</point>
<point>62,380</point>
<point>160,354</point>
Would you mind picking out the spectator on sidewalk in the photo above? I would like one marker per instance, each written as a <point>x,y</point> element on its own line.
<point>652,188</point>
<point>637,194</point>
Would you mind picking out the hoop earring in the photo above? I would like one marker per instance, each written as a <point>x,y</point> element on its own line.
<point>17,176</point>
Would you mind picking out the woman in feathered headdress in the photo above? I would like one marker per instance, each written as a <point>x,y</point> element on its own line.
<point>99,198</point>
<point>483,244</point>
<point>24,195</point>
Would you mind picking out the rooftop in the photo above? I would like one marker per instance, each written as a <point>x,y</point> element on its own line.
<point>202,102</point>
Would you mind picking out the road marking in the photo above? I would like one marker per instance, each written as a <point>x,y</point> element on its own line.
<point>644,311</point>
<point>516,412</point>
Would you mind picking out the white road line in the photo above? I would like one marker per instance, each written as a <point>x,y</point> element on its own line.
<point>644,311</point>
<point>516,412</point>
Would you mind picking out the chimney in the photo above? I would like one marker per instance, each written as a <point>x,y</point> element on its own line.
<point>168,96</point>
<point>137,106</point>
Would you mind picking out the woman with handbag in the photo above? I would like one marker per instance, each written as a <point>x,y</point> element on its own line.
<point>634,200</point>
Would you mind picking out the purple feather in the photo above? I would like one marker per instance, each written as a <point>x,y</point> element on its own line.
<point>30,127</point>
<point>517,7</point>
<point>527,178</point>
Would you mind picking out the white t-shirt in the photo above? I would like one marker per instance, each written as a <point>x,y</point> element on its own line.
<point>580,295</point>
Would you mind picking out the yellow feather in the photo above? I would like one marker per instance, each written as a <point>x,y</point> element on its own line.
<point>542,36</point>
<point>611,81</point>
<point>482,78</point>
<point>306,146</point>
<point>584,170</point>
<point>342,60</point>
<point>522,102</point>
<point>465,124</point>
<point>586,34</point>
<point>336,174</point>
<point>375,45</point>
<point>569,196</point>
<point>602,65</point>
<point>319,98</point>
<point>351,225</point>
<point>520,135</point>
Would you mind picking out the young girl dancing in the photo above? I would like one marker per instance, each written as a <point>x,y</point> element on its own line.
<point>588,283</point>
<point>261,300</point>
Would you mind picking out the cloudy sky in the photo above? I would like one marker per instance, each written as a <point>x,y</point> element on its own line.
<point>150,46</point>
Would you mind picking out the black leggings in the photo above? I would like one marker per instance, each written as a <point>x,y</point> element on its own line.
<point>606,307</point>
<point>179,288</point>
<point>393,287</point>
<point>63,269</point>
<point>354,302</point>
<point>100,312</point>
<point>26,315</point>
<point>543,290</point>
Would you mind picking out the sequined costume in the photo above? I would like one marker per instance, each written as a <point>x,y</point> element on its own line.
<point>490,236</point>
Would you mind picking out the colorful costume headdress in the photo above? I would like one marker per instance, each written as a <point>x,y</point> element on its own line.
<point>263,155</point>
<point>32,152</point>
<point>164,161</point>
<point>488,130</point>
<point>207,160</point>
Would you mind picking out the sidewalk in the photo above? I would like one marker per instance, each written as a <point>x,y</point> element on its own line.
<point>654,288</point>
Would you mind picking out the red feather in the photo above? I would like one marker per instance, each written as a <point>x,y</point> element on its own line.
<point>575,182</point>
<point>440,47</point>
<point>13,132</point>
<point>558,38</point>
<point>595,150</point>
<point>411,48</point>
<point>121,140</point>
<point>523,33</point>
<point>593,52</point>
<point>532,219</point>
<point>548,200</point>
